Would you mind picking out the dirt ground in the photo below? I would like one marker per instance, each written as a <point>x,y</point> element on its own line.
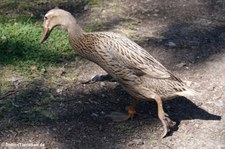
<point>188,37</point>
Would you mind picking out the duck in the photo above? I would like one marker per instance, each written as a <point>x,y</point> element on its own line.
<point>138,72</point>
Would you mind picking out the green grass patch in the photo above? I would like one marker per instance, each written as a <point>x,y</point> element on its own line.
<point>21,53</point>
<point>92,2</point>
<point>20,47</point>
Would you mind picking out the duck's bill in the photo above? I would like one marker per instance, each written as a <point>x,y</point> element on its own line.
<point>45,35</point>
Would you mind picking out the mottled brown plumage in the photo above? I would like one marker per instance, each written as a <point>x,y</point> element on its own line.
<point>141,75</point>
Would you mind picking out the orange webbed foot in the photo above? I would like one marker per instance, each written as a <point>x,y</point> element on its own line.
<point>118,117</point>
<point>131,112</point>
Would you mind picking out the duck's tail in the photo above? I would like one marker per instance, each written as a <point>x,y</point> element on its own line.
<point>189,92</point>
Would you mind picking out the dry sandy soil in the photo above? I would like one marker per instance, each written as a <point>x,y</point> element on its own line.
<point>188,37</point>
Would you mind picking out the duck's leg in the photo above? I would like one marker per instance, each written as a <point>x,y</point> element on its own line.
<point>166,121</point>
<point>98,78</point>
<point>131,109</point>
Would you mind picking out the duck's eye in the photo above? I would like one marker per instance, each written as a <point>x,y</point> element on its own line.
<point>46,18</point>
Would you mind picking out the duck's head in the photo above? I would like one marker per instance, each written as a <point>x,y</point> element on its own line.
<point>56,17</point>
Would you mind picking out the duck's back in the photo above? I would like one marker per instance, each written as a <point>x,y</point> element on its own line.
<point>110,46</point>
<point>128,63</point>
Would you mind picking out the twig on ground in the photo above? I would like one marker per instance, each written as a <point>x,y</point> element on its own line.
<point>8,93</point>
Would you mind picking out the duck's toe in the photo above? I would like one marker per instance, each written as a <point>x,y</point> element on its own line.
<point>167,125</point>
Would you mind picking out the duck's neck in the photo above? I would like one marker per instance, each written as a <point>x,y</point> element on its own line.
<point>74,30</point>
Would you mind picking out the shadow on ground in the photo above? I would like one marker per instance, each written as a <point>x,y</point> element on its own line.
<point>193,32</point>
<point>76,117</point>
<point>185,43</point>
<point>38,8</point>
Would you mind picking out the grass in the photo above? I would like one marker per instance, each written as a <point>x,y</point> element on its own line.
<point>22,55</point>
<point>19,44</point>
<point>20,35</point>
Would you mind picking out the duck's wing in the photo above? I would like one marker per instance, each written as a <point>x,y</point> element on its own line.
<point>134,57</point>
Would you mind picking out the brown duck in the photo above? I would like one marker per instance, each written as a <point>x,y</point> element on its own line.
<point>140,74</point>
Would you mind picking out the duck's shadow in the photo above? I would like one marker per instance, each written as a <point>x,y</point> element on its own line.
<point>184,109</point>
<point>178,109</point>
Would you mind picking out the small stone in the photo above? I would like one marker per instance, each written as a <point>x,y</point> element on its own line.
<point>78,102</point>
<point>182,64</point>
<point>69,129</point>
<point>100,128</point>
<point>87,7</point>
<point>94,115</point>
<point>43,70</point>
<point>59,90</point>
<point>171,44</point>
<point>33,68</point>
<point>102,84</point>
